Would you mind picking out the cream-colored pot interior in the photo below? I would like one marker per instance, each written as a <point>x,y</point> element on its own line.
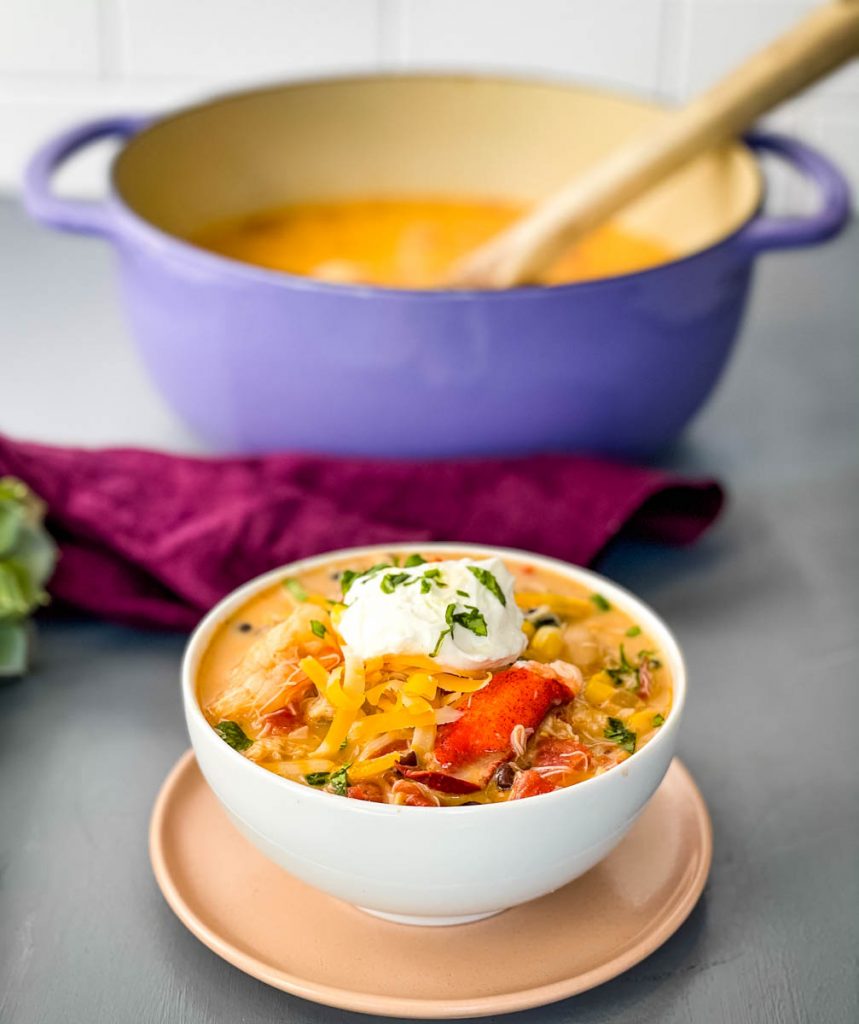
<point>418,135</point>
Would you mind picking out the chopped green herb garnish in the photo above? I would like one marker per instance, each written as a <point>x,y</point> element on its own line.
<point>233,735</point>
<point>463,593</point>
<point>414,560</point>
<point>600,602</point>
<point>434,652</point>
<point>391,580</point>
<point>317,778</point>
<point>628,675</point>
<point>485,577</point>
<point>448,618</point>
<point>623,671</point>
<point>429,577</point>
<point>295,588</point>
<point>349,576</point>
<point>318,628</point>
<point>471,619</point>
<point>658,720</point>
<point>634,631</point>
<point>339,780</point>
<point>344,745</point>
<point>648,656</point>
<point>617,731</point>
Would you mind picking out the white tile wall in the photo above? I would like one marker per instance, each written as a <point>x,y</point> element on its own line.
<point>49,37</point>
<point>247,39</point>
<point>65,60</point>
<point>614,42</point>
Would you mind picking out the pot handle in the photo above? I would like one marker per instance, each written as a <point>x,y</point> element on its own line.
<point>82,216</point>
<point>765,232</point>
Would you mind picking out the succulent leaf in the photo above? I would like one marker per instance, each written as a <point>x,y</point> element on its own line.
<point>27,559</point>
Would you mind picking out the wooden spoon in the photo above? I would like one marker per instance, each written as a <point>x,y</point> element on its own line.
<point>821,42</point>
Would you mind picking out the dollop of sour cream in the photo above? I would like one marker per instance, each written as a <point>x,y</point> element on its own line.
<point>462,613</point>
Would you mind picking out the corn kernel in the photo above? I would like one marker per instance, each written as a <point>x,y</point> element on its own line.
<point>528,629</point>
<point>548,642</point>
<point>600,688</point>
<point>641,721</point>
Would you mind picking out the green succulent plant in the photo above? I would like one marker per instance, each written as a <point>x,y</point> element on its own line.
<point>27,559</point>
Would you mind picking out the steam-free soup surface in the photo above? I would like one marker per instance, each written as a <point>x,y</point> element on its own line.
<point>407,242</point>
<point>279,684</point>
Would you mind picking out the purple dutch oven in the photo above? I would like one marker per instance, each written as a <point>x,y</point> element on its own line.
<point>256,360</point>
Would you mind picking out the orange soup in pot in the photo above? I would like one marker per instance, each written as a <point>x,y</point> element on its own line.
<point>433,682</point>
<point>407,242</point>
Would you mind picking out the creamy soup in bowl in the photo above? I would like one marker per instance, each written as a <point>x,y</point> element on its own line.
<point>384,722</point>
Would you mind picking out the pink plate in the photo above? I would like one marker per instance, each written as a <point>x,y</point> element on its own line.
<point>281,931</point>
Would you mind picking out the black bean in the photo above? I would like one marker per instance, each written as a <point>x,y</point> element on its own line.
<point>245,627</point>
<point>409,760</point>
<point>504,775</point>
<point>545,620</point>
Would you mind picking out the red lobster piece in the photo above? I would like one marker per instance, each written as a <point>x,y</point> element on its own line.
<point>477,743</point>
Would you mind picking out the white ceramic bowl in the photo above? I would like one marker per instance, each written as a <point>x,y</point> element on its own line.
<point>433,865</point>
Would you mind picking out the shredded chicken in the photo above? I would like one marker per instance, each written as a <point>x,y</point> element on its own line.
<point>264,677</point>
<point>563,670</point>
<point>519,739</point>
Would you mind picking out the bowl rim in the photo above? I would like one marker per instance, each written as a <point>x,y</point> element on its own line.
<point>253,274</point>
<point>652,623</point>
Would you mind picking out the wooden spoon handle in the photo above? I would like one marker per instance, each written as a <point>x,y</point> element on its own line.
<point>821,42</point>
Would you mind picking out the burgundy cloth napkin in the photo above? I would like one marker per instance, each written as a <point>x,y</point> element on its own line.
<point>155,540</point>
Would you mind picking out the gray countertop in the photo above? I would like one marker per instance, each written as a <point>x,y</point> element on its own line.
<point>767,608</point>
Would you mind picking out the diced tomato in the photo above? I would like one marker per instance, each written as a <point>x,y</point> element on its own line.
<point>517,696</point>
<point>438,780</point>
<point>366,791</point>
<point>563,753</point>
<point>280,722</point>
<point>530,783</point>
